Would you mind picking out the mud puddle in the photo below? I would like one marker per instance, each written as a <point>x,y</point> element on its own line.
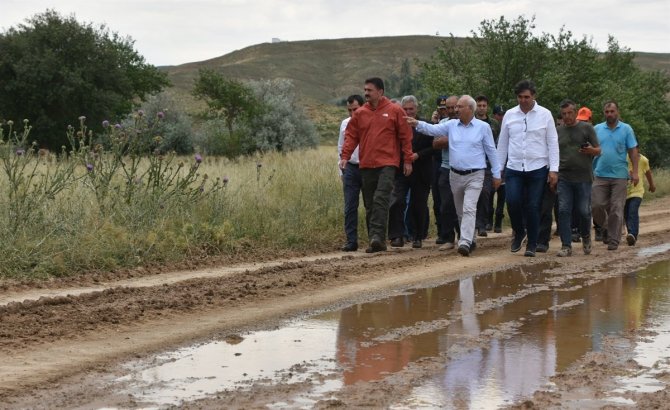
<point>480,342</point>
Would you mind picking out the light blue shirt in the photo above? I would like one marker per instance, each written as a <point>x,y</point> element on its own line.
<point>614,146</point>
<point>469,145</point>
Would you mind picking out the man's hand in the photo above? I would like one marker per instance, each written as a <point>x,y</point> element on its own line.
<point>435,118</point>
<point>496,183</point>
<point>343,164</point>
<point>440,142</point>
<point>552,180</point>
<point>415,156</point>
<point>412,121</point>
<point>634,178</point>
<point>407,169</point>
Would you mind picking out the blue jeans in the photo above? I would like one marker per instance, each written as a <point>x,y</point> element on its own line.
<point>524,191</point>
<point>632,215</point>
<point>573,195</point>
<point>351,182</point>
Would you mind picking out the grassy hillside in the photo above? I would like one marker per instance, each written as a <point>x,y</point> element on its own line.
<point>325,71</point>
<point>322,70</point>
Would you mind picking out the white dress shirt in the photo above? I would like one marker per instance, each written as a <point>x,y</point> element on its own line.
<point>528,141</point>
<point>340,143</point>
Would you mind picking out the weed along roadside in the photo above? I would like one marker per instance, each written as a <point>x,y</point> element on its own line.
<point>102,206</point>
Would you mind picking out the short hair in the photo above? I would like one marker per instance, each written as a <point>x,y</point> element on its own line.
<point>409,98</point>
<point>357,98</point>
<point>524,85</point>
<point>376,81</point>
<point>567,102</point>
<point>482,97</point>
<point>471,102</point>
<point>611,102</point>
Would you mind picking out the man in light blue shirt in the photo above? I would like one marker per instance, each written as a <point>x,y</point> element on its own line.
<point>608,195</point>
<point>470,143</point>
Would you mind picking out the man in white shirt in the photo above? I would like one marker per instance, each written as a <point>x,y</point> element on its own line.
<point>351,181</point>
<point>528,145</point>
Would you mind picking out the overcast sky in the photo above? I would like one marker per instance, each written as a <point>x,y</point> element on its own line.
<point>170,32</point>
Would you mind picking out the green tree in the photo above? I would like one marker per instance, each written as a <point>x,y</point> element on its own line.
<point>503,52</point>
<point>226,98</point>
<point>55,69</point>
<point>282,125</point>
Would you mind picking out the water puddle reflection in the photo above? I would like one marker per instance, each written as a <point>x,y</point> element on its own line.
<point>504,335</point>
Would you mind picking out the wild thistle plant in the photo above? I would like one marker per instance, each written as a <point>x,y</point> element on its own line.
<point>129,163</point>
<point>30,186</point>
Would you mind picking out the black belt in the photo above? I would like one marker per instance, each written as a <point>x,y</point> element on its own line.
<point>466,172</point>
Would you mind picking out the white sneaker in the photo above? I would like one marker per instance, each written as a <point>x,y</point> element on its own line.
<point>565,251</point>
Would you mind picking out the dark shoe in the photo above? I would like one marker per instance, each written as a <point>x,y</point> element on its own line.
<point>417,244</point>
<point>612,247</point>
<point>481,232</point>
<point>631,239</point>
<point>604,235</point>
<point>350,247</point>
<point>397,243</point>
<point>576,238</point>
<point>517,240</point>
<point>440,240</point>
<point>497,229</point>
<point>542,248</point>
<point>376,245</point>
<point>529,253</point>
<point>488,227</point>
<point>586,245</point>
<point>599,234</point>
<point>464,250</point>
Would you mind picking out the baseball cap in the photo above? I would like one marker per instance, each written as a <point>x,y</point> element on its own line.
<point>584,114</point>
<point>441,101</point>
<point>498,109</point>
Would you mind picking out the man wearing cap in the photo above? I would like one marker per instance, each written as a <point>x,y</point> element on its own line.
<point>351,180</point>
<point>611,173</point>
<point>528,145</point>
<point>584,114</point>
<point>470,144</point>
<point>578,144</point>
<point>380,131</point>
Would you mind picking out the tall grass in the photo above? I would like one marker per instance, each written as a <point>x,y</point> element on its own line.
<point>271,203</point>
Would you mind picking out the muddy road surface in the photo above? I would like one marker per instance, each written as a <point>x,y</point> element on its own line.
<point>75,342</point>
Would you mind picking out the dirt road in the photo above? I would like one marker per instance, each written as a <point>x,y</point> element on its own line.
<point>54,335</point>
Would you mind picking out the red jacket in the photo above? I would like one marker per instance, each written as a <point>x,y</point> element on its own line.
<point>379,134</point>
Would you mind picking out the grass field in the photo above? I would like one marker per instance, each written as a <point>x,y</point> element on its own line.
<point>270,205</point>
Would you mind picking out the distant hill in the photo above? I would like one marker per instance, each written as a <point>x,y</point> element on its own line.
<point>322,70</point>
<point>326,70</point>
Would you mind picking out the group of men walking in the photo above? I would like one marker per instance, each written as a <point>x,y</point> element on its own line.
<point>465,157</point>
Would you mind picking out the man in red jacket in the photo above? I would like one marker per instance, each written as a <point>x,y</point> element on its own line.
<point>380,132</point>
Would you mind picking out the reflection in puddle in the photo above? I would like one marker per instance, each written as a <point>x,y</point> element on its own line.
<point>654,250</point>
<point>504,334</point>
